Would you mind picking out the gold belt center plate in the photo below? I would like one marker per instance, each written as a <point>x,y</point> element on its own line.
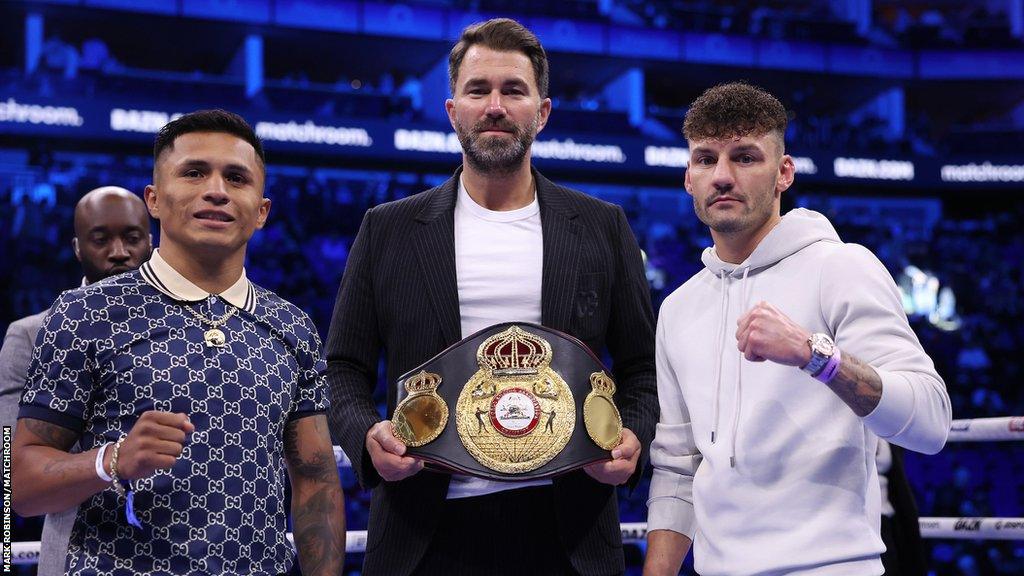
<point>515,414</point>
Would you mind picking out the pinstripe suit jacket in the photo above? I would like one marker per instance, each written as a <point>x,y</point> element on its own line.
<point>399,293</point>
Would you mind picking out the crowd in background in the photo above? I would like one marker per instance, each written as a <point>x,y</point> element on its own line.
<point>974,253</point>
<point>316,212</point>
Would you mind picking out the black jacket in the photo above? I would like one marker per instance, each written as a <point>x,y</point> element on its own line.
<point>399,294</point>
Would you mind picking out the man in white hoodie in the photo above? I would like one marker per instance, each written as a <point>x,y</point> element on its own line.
<point>764,458</point>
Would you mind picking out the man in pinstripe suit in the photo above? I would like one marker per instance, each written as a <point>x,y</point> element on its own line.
<point>496,242</point>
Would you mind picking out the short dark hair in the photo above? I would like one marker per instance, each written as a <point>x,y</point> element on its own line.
<point>207,121</point>
<point>504,35</point>
<point>733,110</point>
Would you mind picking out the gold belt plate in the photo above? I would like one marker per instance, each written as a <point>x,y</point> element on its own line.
<point>423,414</point>
<point>600,415</point>
<point>515,413</point>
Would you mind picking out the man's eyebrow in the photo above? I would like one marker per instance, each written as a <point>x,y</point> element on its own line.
<point>198,163</point>
<point>238,168</point>
<point>479,81</point>
<point>472,82</point>
<point>193,163</point>
<point>748,148</point>
<point>104,229</point>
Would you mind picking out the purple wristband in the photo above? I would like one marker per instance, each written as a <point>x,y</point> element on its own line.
<point>831,368</point>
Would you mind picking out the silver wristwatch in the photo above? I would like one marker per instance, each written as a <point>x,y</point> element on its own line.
<point>822,349</point>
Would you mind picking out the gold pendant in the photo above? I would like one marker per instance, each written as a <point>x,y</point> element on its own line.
<point>214,338</point>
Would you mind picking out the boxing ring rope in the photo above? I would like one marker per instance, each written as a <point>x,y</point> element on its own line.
<point>952,528</point>
<point>987,429</point>
<point>972,430</point>
<point>634,533</point>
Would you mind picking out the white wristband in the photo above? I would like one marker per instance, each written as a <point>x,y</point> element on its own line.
<point>99,463</point>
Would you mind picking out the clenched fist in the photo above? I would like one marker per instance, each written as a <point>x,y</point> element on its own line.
<point>154,443</point>
<point>765,333</point>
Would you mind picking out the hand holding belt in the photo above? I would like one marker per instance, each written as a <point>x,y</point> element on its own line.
<point>529,402</point>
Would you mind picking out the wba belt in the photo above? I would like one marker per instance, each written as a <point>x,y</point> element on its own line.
<point>515,401</point>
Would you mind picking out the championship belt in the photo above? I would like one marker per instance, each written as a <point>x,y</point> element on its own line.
<point>515,401</point>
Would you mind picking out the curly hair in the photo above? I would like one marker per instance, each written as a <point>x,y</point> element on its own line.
<point>733,110</point>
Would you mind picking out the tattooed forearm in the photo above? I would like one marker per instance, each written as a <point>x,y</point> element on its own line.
<point>320,467</point>
<point>316,462</point>
<point>319,530</point>
<point>53,435</point>
<point>318,506</point>
<point>291,442</point>
<point>858,385</point>
<point>61,469</point>
<point>46,478</point>
<point>58,437</point>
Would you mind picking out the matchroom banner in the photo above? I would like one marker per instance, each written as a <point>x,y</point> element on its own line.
<point>395,140</point>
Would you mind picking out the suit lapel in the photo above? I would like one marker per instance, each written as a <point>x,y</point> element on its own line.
<point>561,254</point>
<point>435,250</point>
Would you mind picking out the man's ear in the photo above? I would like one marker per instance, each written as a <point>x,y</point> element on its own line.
<point>74,247</point>
<point>150,197</point>
<point>787,173</point>
<point>543,113</point>
<point>449,107</point>
<point>261,220</point>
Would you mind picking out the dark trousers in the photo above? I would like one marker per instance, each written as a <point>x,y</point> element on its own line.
<point>903,554</point>
<point>509,533</point>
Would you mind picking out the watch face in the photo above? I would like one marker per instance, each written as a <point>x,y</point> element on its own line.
<point>822,344</point>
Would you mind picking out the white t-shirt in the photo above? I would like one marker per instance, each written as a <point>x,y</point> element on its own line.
<point>498,266</point>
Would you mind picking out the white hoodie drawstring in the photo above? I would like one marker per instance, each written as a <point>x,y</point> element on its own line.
<point>719,351</point>
<point>745,295</point>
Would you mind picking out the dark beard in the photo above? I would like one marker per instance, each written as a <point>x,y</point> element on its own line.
<point>492,155</point>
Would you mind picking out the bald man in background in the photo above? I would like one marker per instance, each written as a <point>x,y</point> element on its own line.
<point>111,237</point>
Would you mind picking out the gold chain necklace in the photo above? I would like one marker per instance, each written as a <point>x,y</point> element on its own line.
<point>214,337</point>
